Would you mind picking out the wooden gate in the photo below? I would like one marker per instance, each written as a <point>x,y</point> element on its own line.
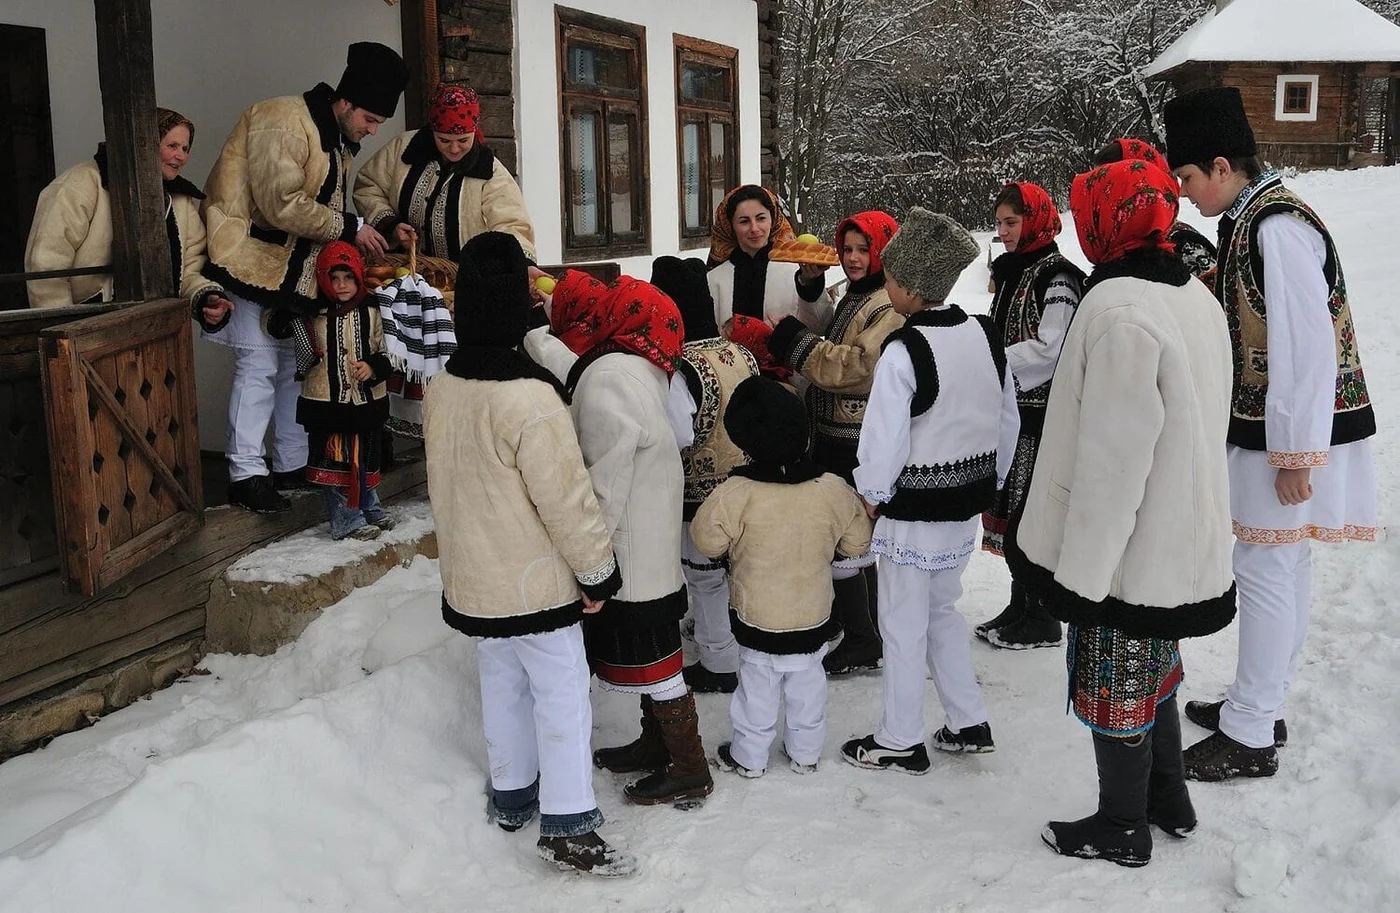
<point>126,475</point>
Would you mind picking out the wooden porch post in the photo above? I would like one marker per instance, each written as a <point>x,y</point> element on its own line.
<point>126,73</point>
<point>419,20</point>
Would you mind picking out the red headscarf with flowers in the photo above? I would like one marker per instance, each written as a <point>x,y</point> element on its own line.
<point>1121,207</point>
<point>631,316</point>
<point>340,254</point>
<point>752,333</point>
<point>1137,150</point>
<point>878,227</point>
<point>455,110</point>
<point>1040,220</point>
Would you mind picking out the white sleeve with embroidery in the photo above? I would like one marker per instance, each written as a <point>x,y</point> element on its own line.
<point>884,433</point>
<point>1302,344</point>
<point>1033,360</point>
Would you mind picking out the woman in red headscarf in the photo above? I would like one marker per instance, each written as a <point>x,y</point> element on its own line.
<point>1126,528</point>
<point>616,348</point>
<point>1037,290</point>
<point>840,363</point>
<point>443,183</point>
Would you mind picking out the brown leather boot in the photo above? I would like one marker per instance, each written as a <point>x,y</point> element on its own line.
<point>648,752</point>
<point>687,776</point>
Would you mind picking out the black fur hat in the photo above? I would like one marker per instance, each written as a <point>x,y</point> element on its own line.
<point>1205,125</point>
<point>492,291</point>
<point>374,78</point>
<point>684,282</point>
<point>767,421</point>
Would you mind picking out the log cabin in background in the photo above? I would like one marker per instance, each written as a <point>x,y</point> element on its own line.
<point>1318,77</point>
<point>624,121</point>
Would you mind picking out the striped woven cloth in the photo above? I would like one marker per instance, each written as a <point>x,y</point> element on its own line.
<point>418,331</point>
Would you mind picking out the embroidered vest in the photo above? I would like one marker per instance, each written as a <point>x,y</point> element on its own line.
<point>721,366</point>
<point>836,417</point>
<point>1240,287</point>
<point>1018,315</point>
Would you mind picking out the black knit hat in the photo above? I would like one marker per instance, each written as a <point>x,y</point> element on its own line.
<point>492,292</point>
<point>1206,125</point>
<point>374,78</point>
<point>767,421</point>
<point>684,282</point>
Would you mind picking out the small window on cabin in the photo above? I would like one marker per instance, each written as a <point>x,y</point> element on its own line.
<point>1295,98</point>
<point>707,115</point>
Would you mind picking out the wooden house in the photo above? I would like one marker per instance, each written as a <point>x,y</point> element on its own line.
<point>1318,77</point>
<point>623,119</point>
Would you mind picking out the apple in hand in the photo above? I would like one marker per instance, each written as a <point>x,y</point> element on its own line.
<point>808,239</point>
<point>546,285</point>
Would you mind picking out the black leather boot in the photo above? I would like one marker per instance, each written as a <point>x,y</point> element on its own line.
<point>1168,801</point>
<point>1035,628</point>
<point>1015,607</point>
<point>647,752</point>
<point>1118,831</point>
<point>860,648</point>
<point>686,778</point>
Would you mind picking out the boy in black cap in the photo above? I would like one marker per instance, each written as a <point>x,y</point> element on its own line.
<point>779,519</point>
<point>1300,417</point>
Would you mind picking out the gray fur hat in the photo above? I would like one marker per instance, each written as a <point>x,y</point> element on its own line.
<point>928,253</point>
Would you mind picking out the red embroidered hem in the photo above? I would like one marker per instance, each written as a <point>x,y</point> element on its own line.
<point>1261,536</point>
<point>1303,460</point>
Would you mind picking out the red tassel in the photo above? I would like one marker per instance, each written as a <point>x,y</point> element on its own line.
<point>354,501</point>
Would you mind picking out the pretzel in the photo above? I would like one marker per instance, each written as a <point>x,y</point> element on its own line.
<point>804,252</point>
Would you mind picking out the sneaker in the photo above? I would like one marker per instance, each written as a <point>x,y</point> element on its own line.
<point>257,494</point>
<point>727,762</point>
<point>1218,757</point>
<point>871,755</point>
<point>586,853</point>
<point>365,533</point>
<point>799,768</point>
<point>703,681</point>
<point>974,739</point>
<point>291,480</point>
<point>1206,714</point>
<point>1026,633</point>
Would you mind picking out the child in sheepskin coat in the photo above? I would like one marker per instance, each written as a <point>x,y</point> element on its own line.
<point>779,519</point>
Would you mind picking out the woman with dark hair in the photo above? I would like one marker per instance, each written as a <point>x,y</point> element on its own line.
<point>747,222</point>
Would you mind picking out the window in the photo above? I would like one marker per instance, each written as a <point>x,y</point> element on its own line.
<point>1295,98</point>
<point>707,117</point>
<point>603,90</point>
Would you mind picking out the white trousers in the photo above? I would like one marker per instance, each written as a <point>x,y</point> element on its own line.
<point>923,629</point>
<point>1274,583</point>
<point>709,597</point>
<point>536,717</point>
<point>766,682</point>
<point>265,391</point>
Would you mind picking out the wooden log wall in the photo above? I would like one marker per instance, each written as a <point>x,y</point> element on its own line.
<point>476,46</point>
<point>770,29</point>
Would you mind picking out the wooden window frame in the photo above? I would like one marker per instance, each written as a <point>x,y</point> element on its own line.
<point>571,25</point>
<point>696,50</point>
<point>1285,82</point>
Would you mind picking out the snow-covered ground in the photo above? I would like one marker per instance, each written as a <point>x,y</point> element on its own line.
<point>347,772</point>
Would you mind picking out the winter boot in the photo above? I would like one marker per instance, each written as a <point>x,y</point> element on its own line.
<point>1118,831</point>
<point>1035,628</point>
<point>686,776</point>
<point>726,762</point>
<point>860,649</point>
<point>973,739</point>
<point>1168,802</point>
<point>586,853</point>
<point>1219,757</point>
<point>703,681</point>
<point>1207,716</point>
<point>648,752</point>
<point>257,494</point>
<point>1015,608</point>
<point>291,480</point>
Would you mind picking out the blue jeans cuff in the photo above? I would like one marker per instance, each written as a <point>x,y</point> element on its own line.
<point>515,807</point>
<point>572,825</point>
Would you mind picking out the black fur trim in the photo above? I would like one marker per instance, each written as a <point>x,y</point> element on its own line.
<point>810,290</point>
<point>539,622</point>
<point>605,590</point>
<point>491,363</point>
<point>803,470</point>
<point>783,643</point>
<point>784,338</point>
<point>1196,619</point>
<point>316,415</point>
<point>1347,427</point>
<point>925,368</point>
<point>318,104</point>
<point>867,285</point>
<point>645,613</point>
<point>949,316</point>
<point>1150,263</point>
<point>197,311</point>
<point>479,163</point>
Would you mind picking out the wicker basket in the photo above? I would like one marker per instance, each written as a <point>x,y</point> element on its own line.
<point>440,273</point>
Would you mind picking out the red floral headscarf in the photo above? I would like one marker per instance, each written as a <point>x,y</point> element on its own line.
<point>752,334</point>
<point>722,240</point>
<point>1040,220</point>
<point>632,316</point>
<point>1138,150</point>
<point>877,226</point>
<point>340,254</point>
<point>454,110</point>
<point>1121,207</point>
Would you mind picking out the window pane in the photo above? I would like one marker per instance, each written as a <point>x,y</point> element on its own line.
<point>690,175</point>
<point>702,82</point>
<point>592,66</point>
<point>622,127</point>
<point>583,164</point>
<point>721,160</point>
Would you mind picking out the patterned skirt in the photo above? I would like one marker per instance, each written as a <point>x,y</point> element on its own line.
<point>340,460</point>
<point>405,408</point>
<point>634,657</point>
<point>1117,681</point>
<point>997,522</point>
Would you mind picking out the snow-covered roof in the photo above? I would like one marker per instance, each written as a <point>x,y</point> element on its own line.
<point>1285,30</point>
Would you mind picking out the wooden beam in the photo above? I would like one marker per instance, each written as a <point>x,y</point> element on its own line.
<point>419,24</point>
<point>126,73</point>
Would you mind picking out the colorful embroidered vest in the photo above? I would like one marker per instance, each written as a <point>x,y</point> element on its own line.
<point>1018,315</point>
<point>720,366</point>
<point>1240,288</point>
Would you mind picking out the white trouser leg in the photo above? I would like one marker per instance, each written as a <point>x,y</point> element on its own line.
<point>709,595</point>
<point>507,714</point>
<point>290,443</point>
<point>804,712</point>
<point>753,712</point>
<point>563,722</point>
<point>950,653</point>
<point>904,627</point>
<point>250,405</point>
<point>1266,577</point>
<point>1302,588</point>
